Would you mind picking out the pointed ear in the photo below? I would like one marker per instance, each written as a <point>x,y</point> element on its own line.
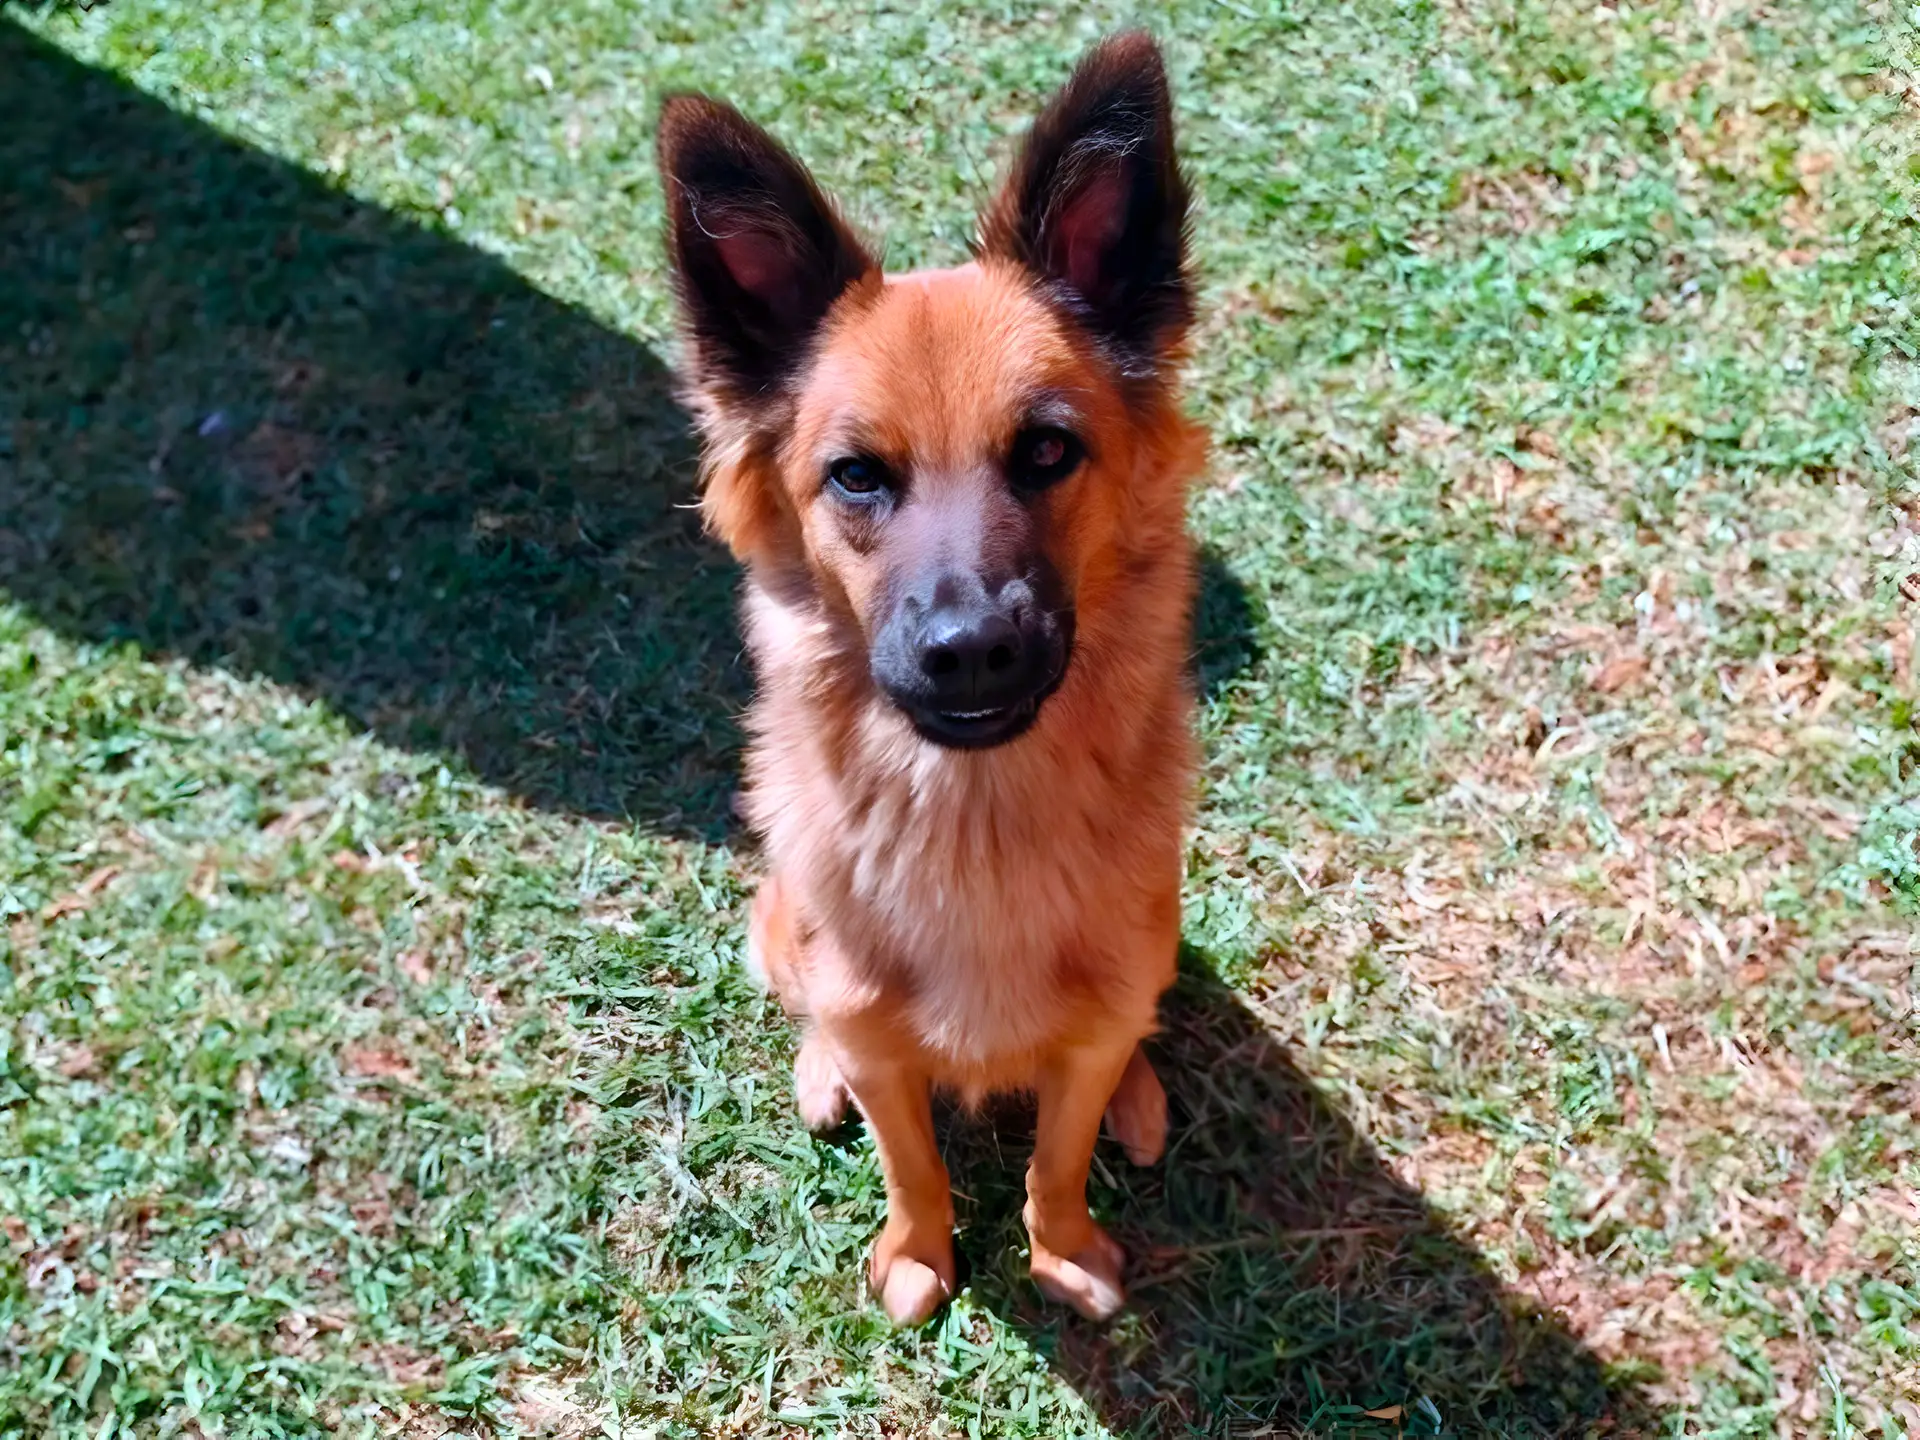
<point>1096,204</point>
<point>758,253</point>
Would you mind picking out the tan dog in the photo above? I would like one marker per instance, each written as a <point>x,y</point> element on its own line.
<point>959,497</point>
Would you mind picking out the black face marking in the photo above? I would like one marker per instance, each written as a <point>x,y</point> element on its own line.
<point>1043,456</point>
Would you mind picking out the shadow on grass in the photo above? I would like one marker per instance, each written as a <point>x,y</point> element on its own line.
<point>1283,1280</point>
<point>1223,632</point>
<point>254,422</point>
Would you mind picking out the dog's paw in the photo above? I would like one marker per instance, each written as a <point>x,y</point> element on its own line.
<point>770,937</point>
<point>1088,1280</point>
<point>818,1086</point>
<point>911,1292</point>
<point>1137,1113</point>
<point>911,1281</point>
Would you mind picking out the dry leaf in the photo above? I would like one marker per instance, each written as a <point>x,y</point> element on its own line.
<point>78,193</point>
<point>545,1410</point>
<point>296,815</point>
<point>407,1366</point>
<point>1619,671</point>
<point>99,880</point>
<point>76,900</point>
<point>66,905</point>
<point>377,1062</point>
<point>372,1215</point>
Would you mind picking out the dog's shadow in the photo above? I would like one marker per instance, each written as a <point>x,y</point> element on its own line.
<point>251,421</point>
<point>1283,1281</point>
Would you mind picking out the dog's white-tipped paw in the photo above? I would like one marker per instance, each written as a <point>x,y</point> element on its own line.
<point>912,1278</point>
<point>1087,1280</point>
<point>818,1087</point>
<point>911,1292</point>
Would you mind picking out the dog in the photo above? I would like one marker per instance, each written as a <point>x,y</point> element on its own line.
<point>958,497</point>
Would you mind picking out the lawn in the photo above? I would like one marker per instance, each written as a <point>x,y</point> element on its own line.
<point>375,1052</point>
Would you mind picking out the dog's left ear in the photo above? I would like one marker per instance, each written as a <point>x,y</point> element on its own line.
<point>1096,206</point>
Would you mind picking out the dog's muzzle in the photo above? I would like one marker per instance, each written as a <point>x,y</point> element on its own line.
<point>970,665</point>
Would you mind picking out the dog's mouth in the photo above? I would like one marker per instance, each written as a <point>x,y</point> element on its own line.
<point>976,729</point>
<point>983,729</point>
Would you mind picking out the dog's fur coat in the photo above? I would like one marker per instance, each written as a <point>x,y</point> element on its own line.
<point>977,919</point>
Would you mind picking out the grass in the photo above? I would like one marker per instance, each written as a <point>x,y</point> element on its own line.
<point>376,1057</point>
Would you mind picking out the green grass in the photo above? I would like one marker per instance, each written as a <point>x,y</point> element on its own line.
<point>376,1057</point>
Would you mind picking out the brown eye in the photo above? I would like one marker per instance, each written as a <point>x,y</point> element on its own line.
<point>858,477</point>
<point>1044,456</point>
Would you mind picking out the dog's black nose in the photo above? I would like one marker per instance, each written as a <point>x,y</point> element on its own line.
<point>969,661</point>
<point>969,654</point>
<point>973,658</point>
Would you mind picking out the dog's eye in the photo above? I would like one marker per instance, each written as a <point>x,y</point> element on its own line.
<point>858,477</point>
<point>1044,456</point>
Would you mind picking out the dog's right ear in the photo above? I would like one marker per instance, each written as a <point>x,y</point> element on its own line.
<point>759,255</point>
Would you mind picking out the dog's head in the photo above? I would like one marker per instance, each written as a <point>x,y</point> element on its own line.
<point>952,460</point>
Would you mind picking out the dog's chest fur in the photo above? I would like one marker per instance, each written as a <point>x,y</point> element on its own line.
<point>994,893</point>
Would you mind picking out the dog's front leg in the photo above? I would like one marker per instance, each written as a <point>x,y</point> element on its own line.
<point>912,1270</point>
<point>1074,1260</point>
